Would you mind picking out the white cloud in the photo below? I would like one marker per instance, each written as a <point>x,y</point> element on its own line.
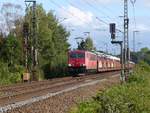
<point>143,27</point>
<point>97,26</point>
<point>76,17</point>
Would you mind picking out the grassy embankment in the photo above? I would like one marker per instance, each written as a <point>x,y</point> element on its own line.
<point>132,97</point>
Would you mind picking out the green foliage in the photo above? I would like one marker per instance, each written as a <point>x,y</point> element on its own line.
<point>52,48</point>
<point>142,55</point>
<point>140,73</point>
<point>10,60</point>
<point>87,107</point>
<point>89,44</point>
<point>132,97</point>
<point>86,45</point>
<point>11,50</point>
<point>52,44</point>
<point>10,75</point>
<point>144,50</point>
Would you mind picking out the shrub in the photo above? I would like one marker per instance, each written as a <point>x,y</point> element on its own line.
<point>132,97</point>
<point>10,75</point>
<point>87,107</point>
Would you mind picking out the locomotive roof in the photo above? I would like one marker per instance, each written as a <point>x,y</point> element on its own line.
<point>83,51</point>
<point>99,54</point>
<point>108,56</point>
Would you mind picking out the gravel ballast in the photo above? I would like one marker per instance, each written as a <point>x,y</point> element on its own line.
<point>63,102</point>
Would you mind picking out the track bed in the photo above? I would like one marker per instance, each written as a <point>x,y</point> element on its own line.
<point>36,89</point>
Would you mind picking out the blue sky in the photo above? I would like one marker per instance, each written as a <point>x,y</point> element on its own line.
<point>81,17</point>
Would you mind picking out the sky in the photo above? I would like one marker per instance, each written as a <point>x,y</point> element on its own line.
<point>80,16</point>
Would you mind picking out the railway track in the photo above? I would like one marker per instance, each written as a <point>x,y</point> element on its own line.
<point>36,89</point>
<point>23,86</point>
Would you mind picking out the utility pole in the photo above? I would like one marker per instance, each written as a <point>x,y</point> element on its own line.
<point>126,39</point>
<point>106,46</point>
<point>34,25</point>
<point>26,38</point>
<point>134,35</point>
<point>34,51</point>
<point>26,48</point>
<point>134,21</point>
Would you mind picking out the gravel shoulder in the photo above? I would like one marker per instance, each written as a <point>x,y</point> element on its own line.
<point>62,103</point>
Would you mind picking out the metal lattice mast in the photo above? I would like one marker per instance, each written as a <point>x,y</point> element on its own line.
<point>126,37</point>
<point>25,40</point>
<point>33,38</point>
<point>34,34</point>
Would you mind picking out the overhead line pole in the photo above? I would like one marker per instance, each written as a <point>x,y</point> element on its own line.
<point>126,39</point>
<point>134,22</point>
<point>34,50</point>
<point>134,36</point>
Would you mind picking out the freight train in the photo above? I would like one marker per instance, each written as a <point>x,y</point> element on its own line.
<point>80,61</point>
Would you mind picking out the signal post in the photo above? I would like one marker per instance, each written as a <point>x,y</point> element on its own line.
<point>113,36</point>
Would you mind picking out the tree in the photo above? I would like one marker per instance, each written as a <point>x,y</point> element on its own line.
<point>86,45</point>
<point>144,50</point>
<point>142,55</point>
<point>11,13</point>
<point>81,45</point>
<point>52,41</point>
<point>89,44</point>
<point>11,50</point>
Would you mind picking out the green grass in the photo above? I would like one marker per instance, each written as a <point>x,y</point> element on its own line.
<point>131,97</point>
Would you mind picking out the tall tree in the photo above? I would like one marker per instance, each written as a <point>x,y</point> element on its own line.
<point>89,44</point>
<point>11,50</point>
<point>142,55</point>
<point>86,45</point>
<point>52,40</point>
<point>11,13</point>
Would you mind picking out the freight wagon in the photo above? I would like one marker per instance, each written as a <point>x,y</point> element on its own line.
<point>80,61</point>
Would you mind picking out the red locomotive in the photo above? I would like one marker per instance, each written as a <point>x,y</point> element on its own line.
<point>80,61</point>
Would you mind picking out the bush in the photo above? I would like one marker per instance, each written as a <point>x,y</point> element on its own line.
<point>55,71</point>
<point>10,75</point>
<point>140,73</point>
<point>87,107</point>
<point>132,97</point>
<point>129,98</point>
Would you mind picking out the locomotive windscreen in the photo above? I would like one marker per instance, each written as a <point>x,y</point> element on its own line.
<point>77,55</point>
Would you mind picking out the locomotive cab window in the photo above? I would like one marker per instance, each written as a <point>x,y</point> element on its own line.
<point>77,55</point>
<point>81,55</point>
<point>73,55</point>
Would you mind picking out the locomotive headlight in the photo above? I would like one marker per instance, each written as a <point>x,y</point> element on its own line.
<point>69,65</point>
<point>83,64</point>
